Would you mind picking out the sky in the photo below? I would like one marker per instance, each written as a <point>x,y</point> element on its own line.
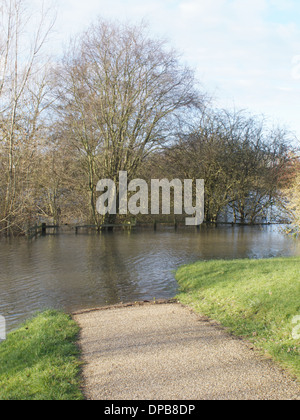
<point>246,53</point>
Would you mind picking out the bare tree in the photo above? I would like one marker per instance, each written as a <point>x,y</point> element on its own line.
<point>259,156</point>
<point>121,93</point>
<point>22,99</point>
<point>240,160</point>
<point>291,192</point>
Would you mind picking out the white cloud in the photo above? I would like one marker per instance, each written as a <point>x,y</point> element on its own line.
<point>243,48</point>
<point>296,67</point>
<point>203,11</point>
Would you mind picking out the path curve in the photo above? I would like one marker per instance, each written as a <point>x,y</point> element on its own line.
<point>167,352</point>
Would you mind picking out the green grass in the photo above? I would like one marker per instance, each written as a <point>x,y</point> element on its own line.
<point>254,299</point>
<point>40,361</point>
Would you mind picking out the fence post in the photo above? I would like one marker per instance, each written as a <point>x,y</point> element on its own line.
<point>44,229</point>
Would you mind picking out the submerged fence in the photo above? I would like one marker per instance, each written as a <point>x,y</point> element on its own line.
<point>37,230</point>
<point>42,230</point>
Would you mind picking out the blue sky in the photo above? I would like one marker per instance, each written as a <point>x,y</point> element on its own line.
<point>246,53</point>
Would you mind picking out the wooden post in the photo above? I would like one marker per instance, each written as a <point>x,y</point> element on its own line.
<point>44,229</point>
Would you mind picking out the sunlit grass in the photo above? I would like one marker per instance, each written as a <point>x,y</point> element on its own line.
<point>40,361</point>
<point>255,299</point>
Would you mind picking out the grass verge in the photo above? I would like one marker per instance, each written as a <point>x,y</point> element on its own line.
<point>40,361</point>
<point>254,299</point>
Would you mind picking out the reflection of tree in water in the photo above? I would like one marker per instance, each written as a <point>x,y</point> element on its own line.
<point>73,273</point>
<point>223,242</point>
<point>239,242</point>
<point>110,269</point>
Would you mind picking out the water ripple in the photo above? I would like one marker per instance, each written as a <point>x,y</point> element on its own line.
<point>72,273</point>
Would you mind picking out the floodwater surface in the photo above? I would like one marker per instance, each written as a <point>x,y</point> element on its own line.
<point>71,273</point>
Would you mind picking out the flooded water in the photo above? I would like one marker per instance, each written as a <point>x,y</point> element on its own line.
<point>71,272</point>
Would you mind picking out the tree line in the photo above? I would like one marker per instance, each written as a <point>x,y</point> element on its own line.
<point>121,100</point>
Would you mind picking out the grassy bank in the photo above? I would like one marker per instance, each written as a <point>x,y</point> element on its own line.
<point>255,299</point>
<point>39,361</point>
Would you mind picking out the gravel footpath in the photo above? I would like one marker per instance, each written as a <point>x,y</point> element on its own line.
<point>167,352</point>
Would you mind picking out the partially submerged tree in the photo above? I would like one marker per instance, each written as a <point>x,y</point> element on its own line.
<point>120,95</point>
<point>291,192</point>
<point>22,100</point>
<point>240,160</point>
<point>122,101</point>
<point>294,204</point>
<point>258,158</point>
